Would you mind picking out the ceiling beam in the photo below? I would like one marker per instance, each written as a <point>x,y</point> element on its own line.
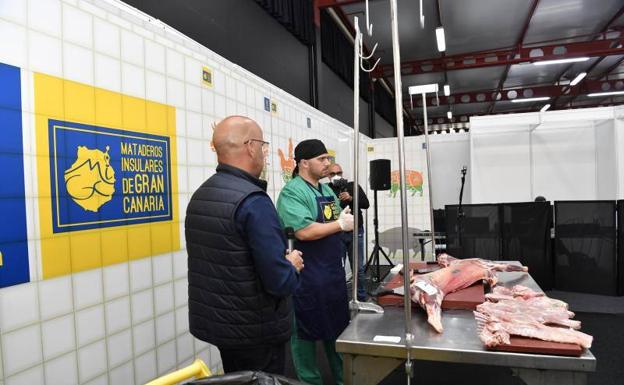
<point>519,41</point>
<point>335,3</point>
<point>526,54</point>
<point>465,118</point>
<point>603,29</point>
<point>609,70</point>
<point>509,94</point>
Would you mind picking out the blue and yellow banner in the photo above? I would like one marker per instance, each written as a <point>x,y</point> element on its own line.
<point>103,177</point>
<point>14,267</point>
<point>106,175</point>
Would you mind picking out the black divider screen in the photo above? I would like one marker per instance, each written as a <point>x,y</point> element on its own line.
<point>585,259</point>
<point>439,221</point>
<point>526,238</point>
<point>620,259</point>
<point>477,234</point>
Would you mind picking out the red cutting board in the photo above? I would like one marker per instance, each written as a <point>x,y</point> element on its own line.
<point>466,299</point>
<point>530,345</point>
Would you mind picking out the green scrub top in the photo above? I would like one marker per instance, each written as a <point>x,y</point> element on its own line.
<point>297,206</point>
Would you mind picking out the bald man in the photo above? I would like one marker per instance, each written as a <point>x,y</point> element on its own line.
<point>240,274</point>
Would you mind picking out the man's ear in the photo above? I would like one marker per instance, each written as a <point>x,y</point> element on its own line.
<point>249,148</point>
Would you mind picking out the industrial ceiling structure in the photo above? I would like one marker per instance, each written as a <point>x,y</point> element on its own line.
<point>498,56</point>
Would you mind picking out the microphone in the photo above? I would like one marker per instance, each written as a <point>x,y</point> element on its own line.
<point>290,235</point>
<point>463,170</point>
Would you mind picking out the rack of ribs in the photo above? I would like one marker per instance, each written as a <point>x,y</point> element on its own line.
<point>495,331</point>
<point>523,312</point>
<point>428,290</point>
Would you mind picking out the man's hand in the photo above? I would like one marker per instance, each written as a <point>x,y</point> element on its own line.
<point>345,197</point>
<point>294,257</point>
<point>345,220</point>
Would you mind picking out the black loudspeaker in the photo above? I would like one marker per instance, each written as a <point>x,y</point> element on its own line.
<point>380,174</point>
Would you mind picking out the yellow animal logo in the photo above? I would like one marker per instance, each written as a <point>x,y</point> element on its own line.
<point>90,181</point>
<point>328,212</point>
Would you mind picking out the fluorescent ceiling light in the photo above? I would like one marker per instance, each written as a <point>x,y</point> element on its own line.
<point>561,61</point>
<point>578,78</point>
<point>440,39</point>
<point>598,94</point>
<point>528,100</point>
<point>449,114</point>
<point>547,106</point>
<point>447,90</point>
<point>425,88</point>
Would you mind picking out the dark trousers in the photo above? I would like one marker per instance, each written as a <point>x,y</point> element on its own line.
<point>270,359</point>
<point>347,239</point>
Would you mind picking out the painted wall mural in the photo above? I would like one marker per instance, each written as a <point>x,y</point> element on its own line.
<point>414,181</point>
<point>287,163</point>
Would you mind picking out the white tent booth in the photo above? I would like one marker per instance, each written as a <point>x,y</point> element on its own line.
<point>561,155</point>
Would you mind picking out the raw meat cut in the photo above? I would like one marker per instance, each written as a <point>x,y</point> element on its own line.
<point>529,311</point>
<point>523,312</point>
<point>446,260</point>
<point>520,292</point>
<point>428,290</point>
<point>494,331</point>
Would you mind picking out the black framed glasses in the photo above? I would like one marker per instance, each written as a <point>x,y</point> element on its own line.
<point>265,144</point>
<point>333,174</point>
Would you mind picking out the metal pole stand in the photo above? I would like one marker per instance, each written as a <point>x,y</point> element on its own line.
<point>356,306</point>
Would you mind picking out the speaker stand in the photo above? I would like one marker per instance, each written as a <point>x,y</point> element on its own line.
<point>374,257</point>
<point>460,216</point>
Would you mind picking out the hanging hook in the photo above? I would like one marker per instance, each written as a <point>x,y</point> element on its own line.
<point>371,54</point>
<point>360,51</point>
<point>372,68</point>
<point>369,26</point>
<point>362,57</point>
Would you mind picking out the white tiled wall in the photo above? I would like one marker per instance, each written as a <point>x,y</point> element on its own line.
<point>390,207</point>
<point>127,323</point>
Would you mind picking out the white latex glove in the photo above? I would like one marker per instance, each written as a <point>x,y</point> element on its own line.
<point>345,220</point>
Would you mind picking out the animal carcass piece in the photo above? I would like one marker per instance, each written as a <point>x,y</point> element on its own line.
<point>522,312</point>
<point>428,290</point>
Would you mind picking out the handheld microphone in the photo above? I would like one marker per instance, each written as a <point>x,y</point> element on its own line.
<point>290,235</point>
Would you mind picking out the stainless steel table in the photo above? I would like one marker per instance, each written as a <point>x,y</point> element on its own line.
<point>367,362</point>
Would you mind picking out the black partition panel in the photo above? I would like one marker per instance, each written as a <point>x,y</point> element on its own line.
<point>620,259</point>
<point>526,238</point>
<point>585,247</point>
<point>439,220</point>
<point>476,234</point>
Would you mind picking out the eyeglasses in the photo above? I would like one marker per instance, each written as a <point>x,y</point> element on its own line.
<point>333,174</point>
<point>265,145</point>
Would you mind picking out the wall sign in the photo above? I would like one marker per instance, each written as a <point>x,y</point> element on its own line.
<point>103,177</point>
<point>207,76</point>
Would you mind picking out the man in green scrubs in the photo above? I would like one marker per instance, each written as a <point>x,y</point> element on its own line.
<point>321,305</point>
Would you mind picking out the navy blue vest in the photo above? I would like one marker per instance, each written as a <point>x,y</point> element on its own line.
<point>228,306</point>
